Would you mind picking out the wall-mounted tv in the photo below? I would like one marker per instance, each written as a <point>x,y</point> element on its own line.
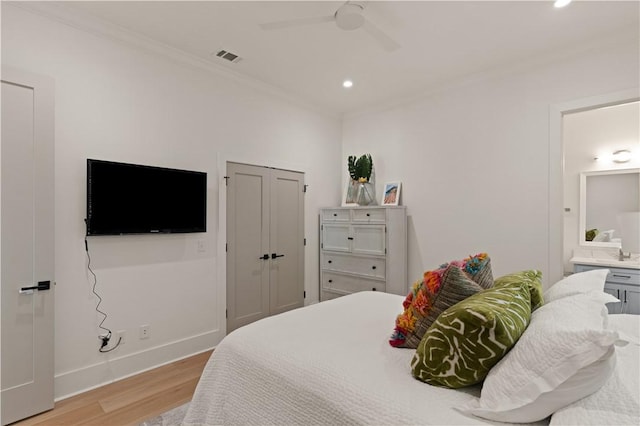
<point>135,199</point>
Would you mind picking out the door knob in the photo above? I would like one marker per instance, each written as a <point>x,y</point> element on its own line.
<point>264,257</point>
<point>273,255</point>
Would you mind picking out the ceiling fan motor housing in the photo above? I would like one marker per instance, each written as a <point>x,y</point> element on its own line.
<point>349,16</point>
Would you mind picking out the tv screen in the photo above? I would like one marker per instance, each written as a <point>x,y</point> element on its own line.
<point>134,199</point>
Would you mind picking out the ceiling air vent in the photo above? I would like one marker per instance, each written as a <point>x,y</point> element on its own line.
<point>231,57</point>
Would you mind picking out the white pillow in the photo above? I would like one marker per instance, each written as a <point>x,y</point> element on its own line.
<point>565,354</point>
<point>581,282</point>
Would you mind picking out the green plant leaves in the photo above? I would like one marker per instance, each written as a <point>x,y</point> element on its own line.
<point>360,167</point>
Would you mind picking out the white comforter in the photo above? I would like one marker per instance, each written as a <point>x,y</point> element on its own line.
<point>328,363</point>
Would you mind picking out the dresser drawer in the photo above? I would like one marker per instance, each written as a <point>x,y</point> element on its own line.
<point>350,284</point>
<point>369,215</point>
<point>369,266</point>
<point>616,275</point>
<point>624,276</point>
<point>335,215</point>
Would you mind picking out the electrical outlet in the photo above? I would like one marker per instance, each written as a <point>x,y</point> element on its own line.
<point>104,338</point>
<point>144,331</point>
<point>202,247</point>
<point>121,336</point>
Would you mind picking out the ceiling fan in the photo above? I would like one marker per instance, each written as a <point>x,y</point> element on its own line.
<point>350,16</point>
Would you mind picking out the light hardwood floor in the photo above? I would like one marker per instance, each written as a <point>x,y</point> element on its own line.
<point>128,401</point>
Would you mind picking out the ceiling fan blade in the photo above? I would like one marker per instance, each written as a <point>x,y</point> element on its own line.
<point>280,25</point>
<point>381,37</point>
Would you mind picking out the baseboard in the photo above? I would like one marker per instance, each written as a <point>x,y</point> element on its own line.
<point>84,379</point>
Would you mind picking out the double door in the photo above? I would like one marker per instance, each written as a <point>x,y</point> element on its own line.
<point>265,242</point>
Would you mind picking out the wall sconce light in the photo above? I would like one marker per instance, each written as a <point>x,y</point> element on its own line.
<point>621,156</point>
<point>561,3</point>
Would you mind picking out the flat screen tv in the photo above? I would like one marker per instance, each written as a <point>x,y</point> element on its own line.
<point>134,199</point>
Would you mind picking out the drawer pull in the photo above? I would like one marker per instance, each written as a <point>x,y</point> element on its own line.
<point>335,214</point>
<point>373,267</point>
<point>332,281</point>
<point>350,238</point>
<point>368,214</point>
<point>330,261</point>
<point>373,289</point>
<point>625,296</point>
<point>627,277</point>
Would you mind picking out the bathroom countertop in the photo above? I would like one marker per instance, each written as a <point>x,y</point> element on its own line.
<point>604,262</point>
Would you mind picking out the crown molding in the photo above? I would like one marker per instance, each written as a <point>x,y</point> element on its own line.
<point>82,21</point>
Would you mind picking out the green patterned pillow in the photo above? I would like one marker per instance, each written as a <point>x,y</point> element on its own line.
<point>533,280</point>
<point>469,338</point>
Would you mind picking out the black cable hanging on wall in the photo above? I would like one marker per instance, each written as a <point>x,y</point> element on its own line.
<point>105,338</point>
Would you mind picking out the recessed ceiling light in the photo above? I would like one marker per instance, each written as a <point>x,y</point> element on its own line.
<point>347,83</point>
<point>561,3</point>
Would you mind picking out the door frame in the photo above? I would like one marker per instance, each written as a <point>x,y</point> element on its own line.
<point>252,160</point>
<point>555,264</point>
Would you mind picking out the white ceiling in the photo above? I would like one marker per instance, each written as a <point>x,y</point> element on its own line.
<point>442,42</point>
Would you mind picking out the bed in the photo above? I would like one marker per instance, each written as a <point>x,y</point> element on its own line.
<point>331,363</point>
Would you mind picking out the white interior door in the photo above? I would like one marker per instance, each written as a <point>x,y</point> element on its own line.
<point>265,242</point>
<point>247,244</point>
<point>286,238</point>
<point>27,249</point>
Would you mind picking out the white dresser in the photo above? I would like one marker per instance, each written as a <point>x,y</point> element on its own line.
<point>363,248</point>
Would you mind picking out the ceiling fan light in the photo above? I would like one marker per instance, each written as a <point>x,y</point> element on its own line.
<point>349,17</point>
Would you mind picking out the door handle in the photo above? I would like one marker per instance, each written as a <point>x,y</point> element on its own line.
<point>264,257</point>
<point>273,255</point>
<point>42,285</point>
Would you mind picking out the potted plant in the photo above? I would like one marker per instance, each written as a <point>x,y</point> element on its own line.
<point>361,189</point>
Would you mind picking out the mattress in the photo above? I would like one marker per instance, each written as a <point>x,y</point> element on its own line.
<point>328,363</point>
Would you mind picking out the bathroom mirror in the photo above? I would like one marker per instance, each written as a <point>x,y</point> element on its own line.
<point>603,196</point>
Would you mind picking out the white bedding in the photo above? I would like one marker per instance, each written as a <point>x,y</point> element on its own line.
<point>618,400</point>
<point>328,363</point>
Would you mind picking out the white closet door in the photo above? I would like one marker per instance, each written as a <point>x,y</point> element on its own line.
<point>248,255</point>
<point>27,250</point>
<point>286,238</point>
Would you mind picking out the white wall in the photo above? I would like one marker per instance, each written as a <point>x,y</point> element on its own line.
<point>474,159</point>
<point>587,135</point>
<point>116,102</point>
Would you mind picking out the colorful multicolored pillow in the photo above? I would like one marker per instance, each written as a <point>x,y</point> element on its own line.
<point>437,291</point>
<point>468,339</point>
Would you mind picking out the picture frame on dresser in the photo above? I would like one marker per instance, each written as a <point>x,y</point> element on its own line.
<point>391,194</point>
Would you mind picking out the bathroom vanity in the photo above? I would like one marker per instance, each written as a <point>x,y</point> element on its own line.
<point>623,280</point>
